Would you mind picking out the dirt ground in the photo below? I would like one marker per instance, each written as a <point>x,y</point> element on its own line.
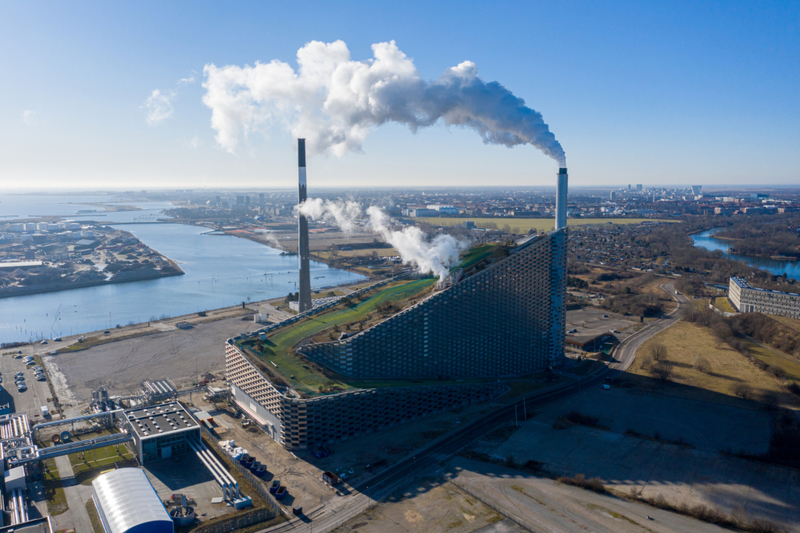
<point>428,507</point>
<point>696,472</point>
<point>176,354</point>
<point>544,505</point>
<point>301,472</point>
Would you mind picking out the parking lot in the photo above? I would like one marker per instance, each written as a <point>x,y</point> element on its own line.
<point>31,400</point>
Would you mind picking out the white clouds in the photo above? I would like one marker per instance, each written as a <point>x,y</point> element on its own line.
<point>334,102</point>
<point>29,117</point>
<point>159,107</point>
<point>187,81</point>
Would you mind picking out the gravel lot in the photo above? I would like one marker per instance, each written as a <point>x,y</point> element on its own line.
<point>682,474</point>
<point>179,355</point>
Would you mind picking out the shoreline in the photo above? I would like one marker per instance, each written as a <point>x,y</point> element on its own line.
<point>28,291</point>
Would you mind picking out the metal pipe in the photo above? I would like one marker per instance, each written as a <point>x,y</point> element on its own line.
<point>221,479</point>
<point>23,512</point>
<point>14,505</point>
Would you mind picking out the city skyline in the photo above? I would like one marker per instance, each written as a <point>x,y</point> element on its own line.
<point>112,97</point>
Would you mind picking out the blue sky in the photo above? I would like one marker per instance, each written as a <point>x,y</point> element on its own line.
<point>660,93</point>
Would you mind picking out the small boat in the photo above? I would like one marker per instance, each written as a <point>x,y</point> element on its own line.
<point>254,466</point>
<point>261,470</point>
<point>250,462</point>
<point>280,493</point>
<point>276,484</point>
<point>243,459</point>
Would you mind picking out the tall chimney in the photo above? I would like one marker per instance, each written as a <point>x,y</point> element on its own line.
<point>561,199</point>
<point>302,234</point>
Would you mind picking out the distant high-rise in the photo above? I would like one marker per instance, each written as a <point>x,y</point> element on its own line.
<point>697,189</point>
<point>613,195</point>
<point>304,300</point>
<point>638,186</point>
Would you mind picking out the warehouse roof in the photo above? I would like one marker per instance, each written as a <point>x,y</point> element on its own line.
<point>160,419</point>
<point>128,503</point>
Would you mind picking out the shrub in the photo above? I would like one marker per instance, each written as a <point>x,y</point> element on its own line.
<point>742,391</point>
<point>662,370</point>
<point>701,364</point>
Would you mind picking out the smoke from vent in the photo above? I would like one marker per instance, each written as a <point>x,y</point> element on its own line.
<point>434,256</point>
<point>334,102</point>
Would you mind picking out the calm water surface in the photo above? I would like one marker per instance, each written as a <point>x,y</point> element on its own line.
<point>706,240</point>
<point>219,271</point>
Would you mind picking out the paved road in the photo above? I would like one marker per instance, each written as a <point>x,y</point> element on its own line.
<point>343,509</point>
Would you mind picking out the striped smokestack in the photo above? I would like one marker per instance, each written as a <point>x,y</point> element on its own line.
<point>561,199</point>
<point>302,233</point>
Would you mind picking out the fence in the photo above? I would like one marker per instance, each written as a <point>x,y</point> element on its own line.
<point>253,516</point>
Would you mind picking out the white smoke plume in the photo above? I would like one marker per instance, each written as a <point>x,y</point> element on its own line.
<point>334,102</point>
<point>343,214</point>
<point>269,238</point>
<point>434,256</point>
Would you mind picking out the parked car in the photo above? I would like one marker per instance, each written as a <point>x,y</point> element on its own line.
<point>41,377</point>
<point>22,387</point>
<point>57,339</point>
<point>43,342</point>
<point>606,386</point>
<point>19,374</point>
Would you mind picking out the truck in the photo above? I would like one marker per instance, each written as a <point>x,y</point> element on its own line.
<point>330,478</point>
<point>45,411</point>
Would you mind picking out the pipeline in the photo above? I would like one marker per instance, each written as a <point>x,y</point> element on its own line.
<point>14,505</point>
<point>206,454</point>
<point>220,478</point>
<point>23,512</point>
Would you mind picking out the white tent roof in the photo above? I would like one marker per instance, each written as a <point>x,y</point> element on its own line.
<point>129,503</point>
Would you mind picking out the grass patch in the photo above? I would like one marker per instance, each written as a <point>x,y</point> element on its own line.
<point>691,348</point>
<point>526,224</point>
<point>722,303</point>
<point>789,366</point>
<point>522,388</point>
<point>53,490</point>
<point>98,458</point>
<point>279,346</point>
<point>94,517</point>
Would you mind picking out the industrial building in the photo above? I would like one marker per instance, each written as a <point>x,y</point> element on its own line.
<point>748,299</point>
<point>127,503</point>
<point>162,431</point>
<point>506,319</point>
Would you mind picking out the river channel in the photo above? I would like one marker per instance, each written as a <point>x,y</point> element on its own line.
<point>706,240</point>
<point>219,271</point>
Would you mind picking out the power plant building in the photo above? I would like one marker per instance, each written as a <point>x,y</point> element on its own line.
<point>504,320</point>
<point>507,319</point>
<point>161,431</point>
<point>748,299</point>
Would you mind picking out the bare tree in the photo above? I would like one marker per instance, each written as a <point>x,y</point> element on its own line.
<point>658,351</point>
<point>742,391</point>
<point>701,364</point>
<point>662,370</point>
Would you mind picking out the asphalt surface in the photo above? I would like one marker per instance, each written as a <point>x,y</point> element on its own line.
<point>433,458</point>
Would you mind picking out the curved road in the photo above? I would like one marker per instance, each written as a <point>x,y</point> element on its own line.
<point>366,494</point>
